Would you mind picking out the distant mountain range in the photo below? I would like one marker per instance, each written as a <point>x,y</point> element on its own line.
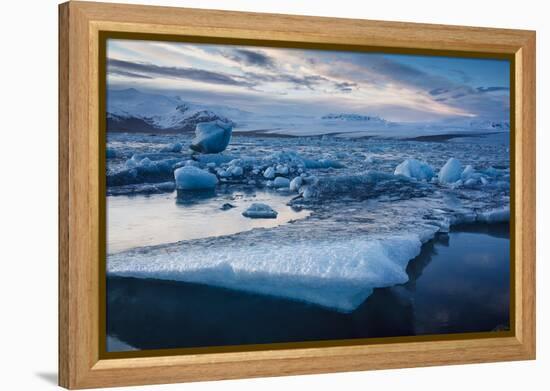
<point>130,110</point>
<point>353,117</point>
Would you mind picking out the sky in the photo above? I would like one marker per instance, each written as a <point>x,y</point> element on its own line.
<point>265,80</point>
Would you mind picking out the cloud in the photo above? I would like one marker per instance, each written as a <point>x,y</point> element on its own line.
<point>345,86</point>
<point>251,57</point>
<point>438,91</point>
<point>147,70</point>
<point>121,72</point>
<point>365,81</point>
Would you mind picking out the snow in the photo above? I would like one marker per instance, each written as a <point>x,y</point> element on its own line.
<point>211,137</point>
<point>281,182</point>
<point>260,211</point>
<point>450,172</point>
<point>193,178</point>
<point>416,169</point>
<point>336,274</point>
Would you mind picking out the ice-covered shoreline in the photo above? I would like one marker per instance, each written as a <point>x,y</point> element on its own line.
<point>368,219</point>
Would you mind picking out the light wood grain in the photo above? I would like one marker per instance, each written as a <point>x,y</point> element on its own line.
<point>80,24</point>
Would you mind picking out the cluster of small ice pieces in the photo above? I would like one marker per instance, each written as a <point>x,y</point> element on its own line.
<point>451,173</point>
<point>372,202</point>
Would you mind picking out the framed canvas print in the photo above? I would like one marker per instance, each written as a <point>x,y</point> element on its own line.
<point>248,195</point>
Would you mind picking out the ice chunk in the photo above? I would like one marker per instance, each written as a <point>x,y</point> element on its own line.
<point>339,274</point>
<point>281,169</point>
<point>468,173</point>
<point>413,168</point>
<point>211,137</point>
<point>370,184</point>
<point>236,171</point>
<point>269,173</point>
<point>193,178</point>
<point>280,182</point>
<point>450,172</point>
<point>260,211</point>
<point>143,171</point>
<point>223,173</point>
<point>295,184</point>
<point>176,147</point>
<point>322,163</point>
<point>499,215</point>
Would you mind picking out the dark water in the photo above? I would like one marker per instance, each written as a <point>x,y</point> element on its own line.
<point>459,283</point>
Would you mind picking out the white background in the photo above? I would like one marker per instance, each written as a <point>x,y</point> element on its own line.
<point>28,214</point>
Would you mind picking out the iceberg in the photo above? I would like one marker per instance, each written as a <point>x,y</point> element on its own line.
<point>413,168</point>
<point>193,178</point>
<point>211,137</point>
<point>260,211</point>
<point>337,274</point>
<point>450,172</point>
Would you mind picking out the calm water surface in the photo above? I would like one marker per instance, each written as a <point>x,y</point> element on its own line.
<point>138,221</point>
<point>459,283</point>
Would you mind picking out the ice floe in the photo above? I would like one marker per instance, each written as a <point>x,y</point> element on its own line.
<point>337,274</point>
<point>193,178</point>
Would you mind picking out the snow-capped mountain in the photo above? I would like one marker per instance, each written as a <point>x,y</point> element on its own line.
<point>131,110</point>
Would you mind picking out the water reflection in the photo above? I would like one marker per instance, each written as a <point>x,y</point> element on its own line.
<point>450,290</point>
<point>140,221</point>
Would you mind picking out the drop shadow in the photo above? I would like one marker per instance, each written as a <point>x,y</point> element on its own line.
<point>48,377</point>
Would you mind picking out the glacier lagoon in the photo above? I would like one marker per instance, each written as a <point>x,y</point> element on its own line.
<point>350,230</point>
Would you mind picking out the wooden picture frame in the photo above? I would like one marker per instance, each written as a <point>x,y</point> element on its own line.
<point>81,364</point>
